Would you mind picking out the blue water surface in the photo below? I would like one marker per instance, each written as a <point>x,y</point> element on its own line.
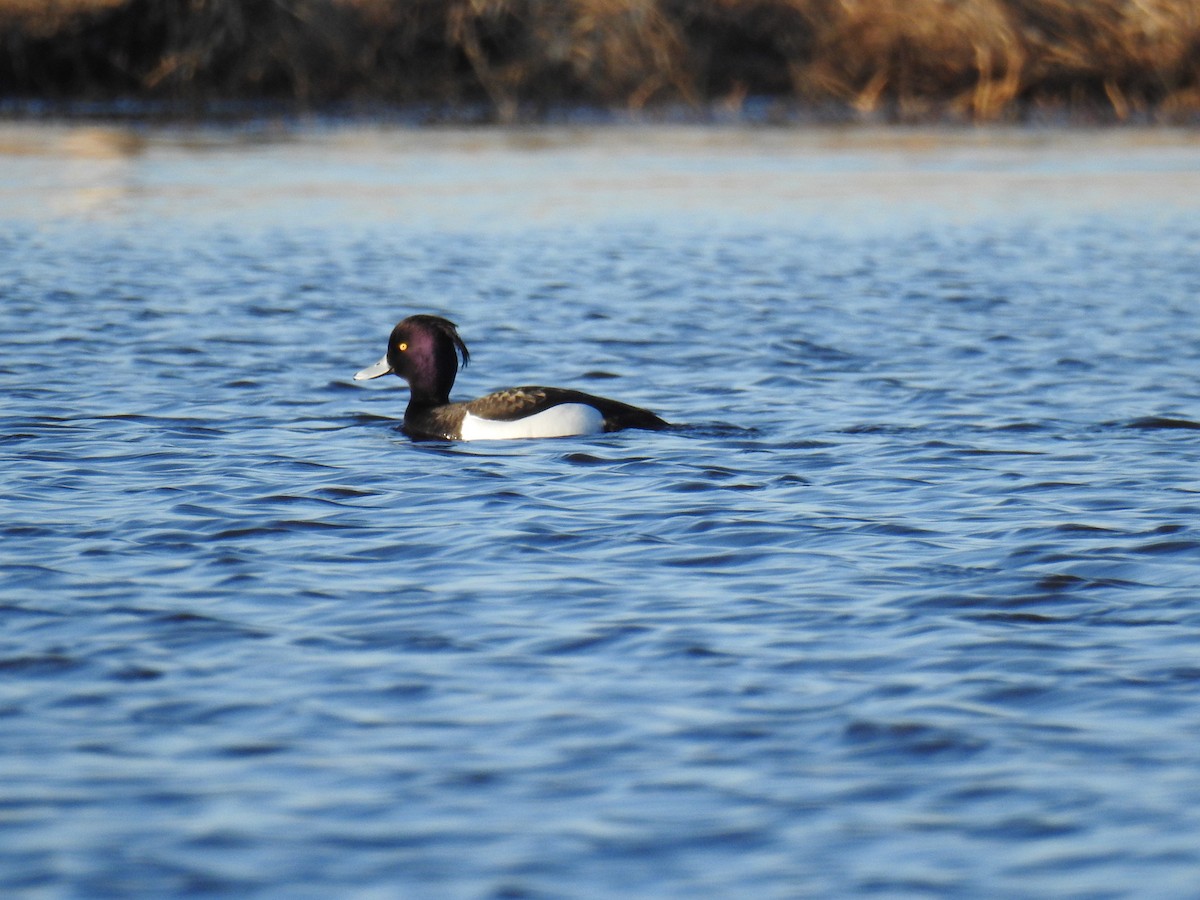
<point>909,605</point>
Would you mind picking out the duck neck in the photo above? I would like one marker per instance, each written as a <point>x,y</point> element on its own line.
<point>422,404</point>
<point>425,397</point>
<point>431,374</point>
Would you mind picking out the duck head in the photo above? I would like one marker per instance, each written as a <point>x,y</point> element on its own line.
<point>424,351</point>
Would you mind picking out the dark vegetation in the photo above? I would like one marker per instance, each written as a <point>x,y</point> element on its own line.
<point>515,59</point>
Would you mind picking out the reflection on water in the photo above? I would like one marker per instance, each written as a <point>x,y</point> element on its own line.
<point>908,608</point>
<point>494,177</point>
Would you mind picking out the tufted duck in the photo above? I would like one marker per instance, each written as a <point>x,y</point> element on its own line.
<point>424,351</point>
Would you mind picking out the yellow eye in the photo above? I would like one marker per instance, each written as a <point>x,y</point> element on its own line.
<point>402,346</point>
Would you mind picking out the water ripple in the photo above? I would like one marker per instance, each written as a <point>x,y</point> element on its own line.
<point>905,606</point>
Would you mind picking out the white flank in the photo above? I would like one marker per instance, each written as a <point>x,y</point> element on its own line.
<point>558,421</point>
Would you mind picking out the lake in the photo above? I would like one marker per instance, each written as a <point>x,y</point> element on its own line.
<point>907,605</point>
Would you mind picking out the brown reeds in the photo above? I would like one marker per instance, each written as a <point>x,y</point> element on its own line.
<point>907,59</point>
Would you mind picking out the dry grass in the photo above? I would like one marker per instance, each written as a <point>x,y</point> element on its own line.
<point>910,59</point>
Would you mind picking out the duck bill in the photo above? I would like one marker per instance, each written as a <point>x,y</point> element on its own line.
<point>380,368</point>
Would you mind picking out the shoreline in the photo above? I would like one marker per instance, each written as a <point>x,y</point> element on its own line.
<point>757,113</point>
<point>770,62</point>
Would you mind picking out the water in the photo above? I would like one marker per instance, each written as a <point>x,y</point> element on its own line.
<point>908,606</point>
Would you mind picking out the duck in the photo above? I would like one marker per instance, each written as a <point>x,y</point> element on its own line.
<point>425,350</point>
